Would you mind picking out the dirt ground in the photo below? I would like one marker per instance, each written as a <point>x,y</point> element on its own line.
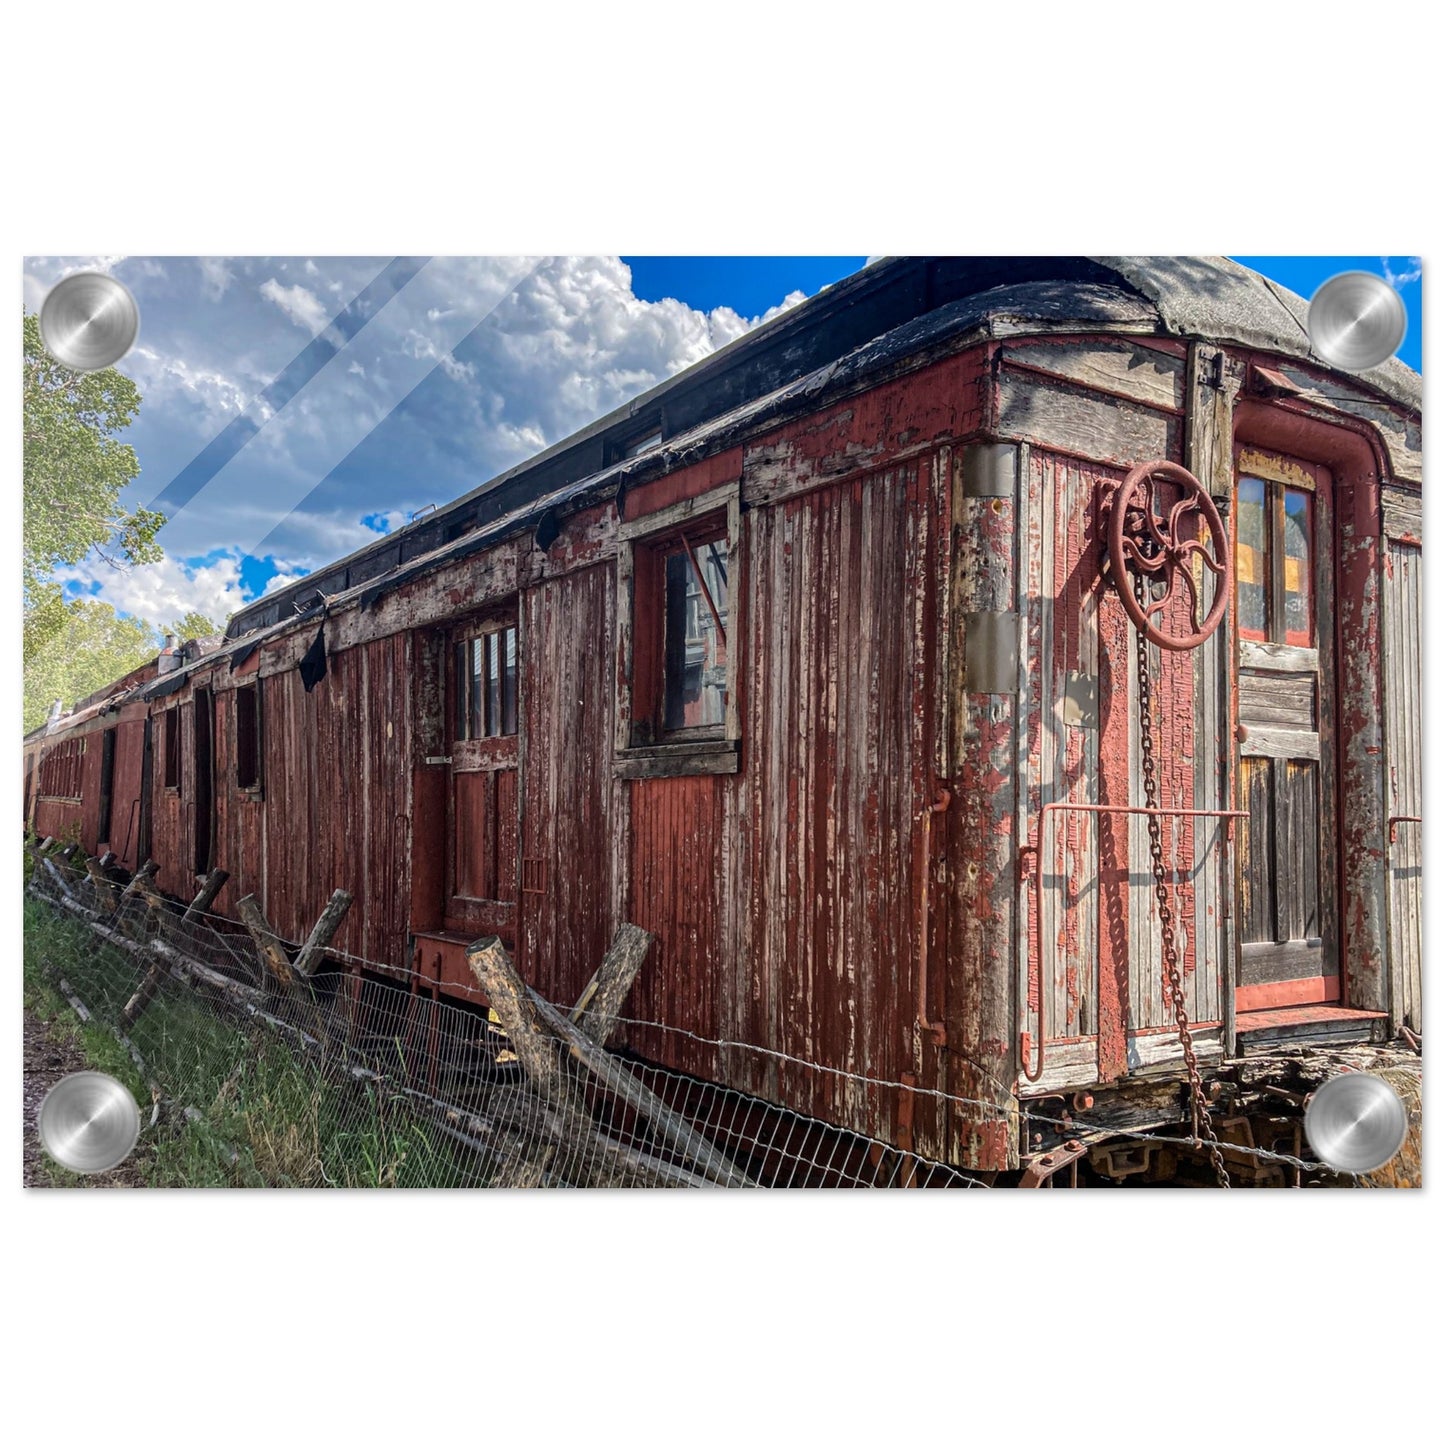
<point>48,1059</point>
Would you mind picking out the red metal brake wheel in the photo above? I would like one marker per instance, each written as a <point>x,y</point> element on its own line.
<point>1168,554</point>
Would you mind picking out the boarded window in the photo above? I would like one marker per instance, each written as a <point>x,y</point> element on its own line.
<point>248,736</point>
<point>695,612</point>
<point>173,748</point>
<point>486,685</point>
<point>60,769</point>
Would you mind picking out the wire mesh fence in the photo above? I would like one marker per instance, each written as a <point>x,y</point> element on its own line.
<point>351,1079</point>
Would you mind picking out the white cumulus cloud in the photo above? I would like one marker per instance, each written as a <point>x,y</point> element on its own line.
<point>298,303</point>
<point>163,591</point>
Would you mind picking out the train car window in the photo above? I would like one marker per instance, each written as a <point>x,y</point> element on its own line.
<point>248,737</point>
<point>485,683</point>
<point>695,618</point>
<point>1298,528</point>
<point>173,748</point>
<point>1274,562</point>
<point>678,580</point>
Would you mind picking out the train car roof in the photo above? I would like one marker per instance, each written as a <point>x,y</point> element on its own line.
<point>1210,298</point>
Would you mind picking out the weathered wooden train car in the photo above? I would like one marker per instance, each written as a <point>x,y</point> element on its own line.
<point>87,773</point>
<point>822,661</point>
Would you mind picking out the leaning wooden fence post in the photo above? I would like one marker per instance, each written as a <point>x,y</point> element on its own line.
<point>157,909</point>
<point>595,1012</point>
<point>512,1001</point>
<point>216,880</point>
<point>140,881</point>
<point>314,949</point>
<point>58,878</point>
<point>509,996</point>
<point>107,894</point>
<point>273,955</point>
<point>140,1000</point>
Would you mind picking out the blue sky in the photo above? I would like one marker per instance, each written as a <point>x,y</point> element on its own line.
<point>295,408</point>
<point>749,284</point>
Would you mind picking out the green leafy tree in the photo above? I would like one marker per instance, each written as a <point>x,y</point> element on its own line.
<point>100,646</point>
<point>194,624</point>
<point>75,470</point>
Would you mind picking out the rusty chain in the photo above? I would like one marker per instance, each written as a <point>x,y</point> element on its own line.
<point>1199,1109</point>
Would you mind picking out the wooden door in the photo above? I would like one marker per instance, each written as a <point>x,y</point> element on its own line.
<point>203,717</point>
<point>1288,924</point>
<point>482,802</point>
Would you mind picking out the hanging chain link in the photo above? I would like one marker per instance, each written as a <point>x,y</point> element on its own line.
<point>1199,1109</point>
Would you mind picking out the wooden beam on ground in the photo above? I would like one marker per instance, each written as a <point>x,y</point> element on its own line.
<point>109,934</point>
<point>121,1036</point>
<point>273,954</point>
<point>596,1010</point>
<point>314,949</point>
<point>666,1122</point>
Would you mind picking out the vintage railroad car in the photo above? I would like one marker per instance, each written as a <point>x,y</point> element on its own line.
<point>821,662</point>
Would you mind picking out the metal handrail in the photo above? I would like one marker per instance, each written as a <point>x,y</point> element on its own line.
<point>1399,818</point>
<point>1036,849</point>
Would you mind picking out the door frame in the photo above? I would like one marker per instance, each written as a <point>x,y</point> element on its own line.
<point>494,755</point>
<point>1274,465</point>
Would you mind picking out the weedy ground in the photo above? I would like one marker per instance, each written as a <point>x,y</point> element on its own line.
<point>223,1105</point>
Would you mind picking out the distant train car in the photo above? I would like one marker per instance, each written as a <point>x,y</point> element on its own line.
<point>984,678</point>
<point>86,774</point>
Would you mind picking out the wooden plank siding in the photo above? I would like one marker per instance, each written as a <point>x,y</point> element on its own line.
<point>1075,628</point>
<point>837,757</point>
<point>332,807</point>
<point>1404,618</point>
<point>566,640</point>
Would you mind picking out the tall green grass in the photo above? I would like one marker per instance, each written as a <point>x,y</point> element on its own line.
<point>262,1112</point>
